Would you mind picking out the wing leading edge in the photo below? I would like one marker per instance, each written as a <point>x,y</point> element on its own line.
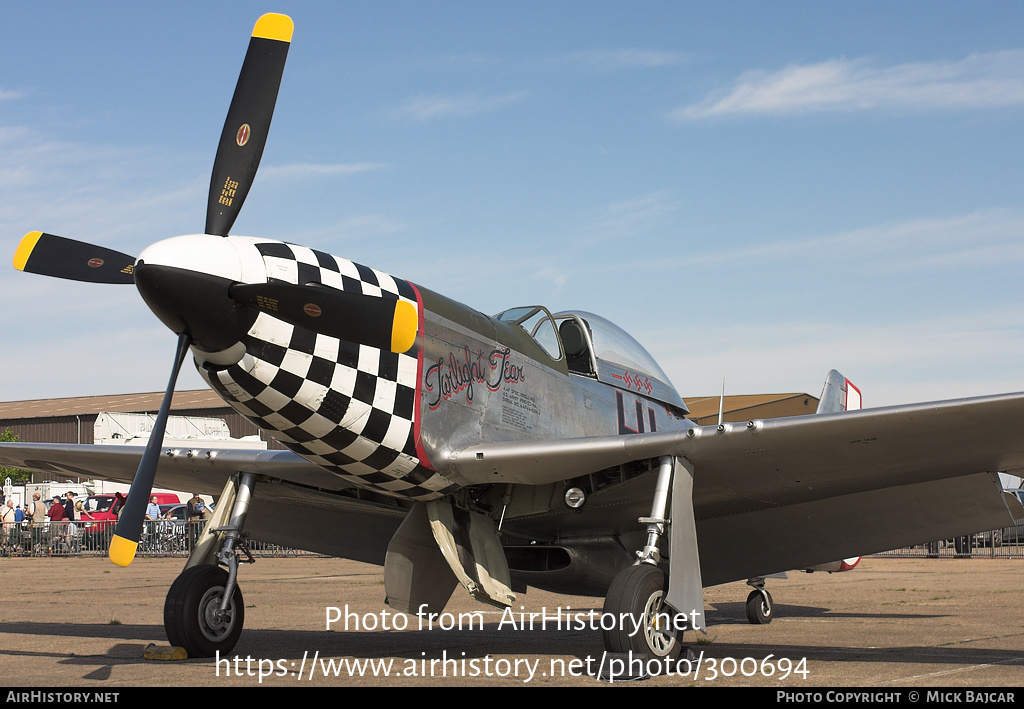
<point>852,450</point>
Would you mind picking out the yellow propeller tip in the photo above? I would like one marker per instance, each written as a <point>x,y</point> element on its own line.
<point>274,26</point>
<point>122,550</point>
<point>28,243</point>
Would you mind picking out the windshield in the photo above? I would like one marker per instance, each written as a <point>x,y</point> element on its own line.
<point>537,322</point>
<point>620,360</point>
<point>99,504</point>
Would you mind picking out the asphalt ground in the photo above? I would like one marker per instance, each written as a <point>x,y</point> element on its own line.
<point>70,623</point>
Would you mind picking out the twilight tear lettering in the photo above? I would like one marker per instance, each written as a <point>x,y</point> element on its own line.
<point>448,377</point>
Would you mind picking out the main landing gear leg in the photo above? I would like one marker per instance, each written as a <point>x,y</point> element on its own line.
<point>204,612</point>
<point>643,602</point>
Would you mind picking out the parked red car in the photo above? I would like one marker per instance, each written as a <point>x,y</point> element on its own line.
<point>103,509</point>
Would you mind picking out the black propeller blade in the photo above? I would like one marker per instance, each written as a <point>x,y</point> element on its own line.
<point>248,121</point>
<point>238,156</point>
<point>50,255</point>
<point>384,323</point>
<point>129,525</point>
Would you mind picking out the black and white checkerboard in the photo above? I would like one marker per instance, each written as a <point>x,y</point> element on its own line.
<point>349,408</point>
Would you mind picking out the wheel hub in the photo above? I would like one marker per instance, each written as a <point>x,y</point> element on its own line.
<point>213,623</point>
<point>660,640</point>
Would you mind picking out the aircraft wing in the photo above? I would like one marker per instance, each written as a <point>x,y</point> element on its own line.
<point>294,502</point>
<point>778,494</point>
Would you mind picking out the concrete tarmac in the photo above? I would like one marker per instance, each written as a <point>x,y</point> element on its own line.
<point>910,623</point>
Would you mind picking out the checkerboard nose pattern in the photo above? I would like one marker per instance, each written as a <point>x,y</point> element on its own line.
<point>349,408</point>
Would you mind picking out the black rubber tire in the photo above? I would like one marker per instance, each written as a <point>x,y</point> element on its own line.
<point>760,611</point>
<point>639,591</point>
<point>187,621</point>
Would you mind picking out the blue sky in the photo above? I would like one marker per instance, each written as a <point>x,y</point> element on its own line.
<point>756,191</point>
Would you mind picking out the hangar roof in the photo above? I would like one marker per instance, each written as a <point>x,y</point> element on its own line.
<point>83,405</point>
<point>743,407</point>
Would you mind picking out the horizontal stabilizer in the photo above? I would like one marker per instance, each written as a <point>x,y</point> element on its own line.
<point>835,566</point>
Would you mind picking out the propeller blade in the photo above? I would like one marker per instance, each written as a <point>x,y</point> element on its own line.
<point>129,525</point>
<point>384,323</point>
<point>248,121</point>
<point>50,255</point>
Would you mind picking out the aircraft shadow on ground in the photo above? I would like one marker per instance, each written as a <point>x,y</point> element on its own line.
<point>730,613</point>
<point>293,645</point>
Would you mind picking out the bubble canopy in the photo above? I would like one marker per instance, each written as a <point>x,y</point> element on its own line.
<point>613,346</point>
<point>606,352</point>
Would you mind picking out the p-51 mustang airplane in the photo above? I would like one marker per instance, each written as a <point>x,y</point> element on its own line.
<point>456,449</point>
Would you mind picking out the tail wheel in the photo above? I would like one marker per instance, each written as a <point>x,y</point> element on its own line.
<point>644,624</point>
<point>192,617</point>
<point>759,608</point>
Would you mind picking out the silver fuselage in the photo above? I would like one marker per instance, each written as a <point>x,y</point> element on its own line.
<point>388,421</point>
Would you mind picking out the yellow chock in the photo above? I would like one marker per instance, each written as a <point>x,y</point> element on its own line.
<point>164,652</point>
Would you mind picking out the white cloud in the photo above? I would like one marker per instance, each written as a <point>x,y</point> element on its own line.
<point>986,238</point>
<point>105,360</point>
<point>368,230</point>
<point>98,193</point>
<point>632,216</point>
<point>944,357</point>
<point>303,170</point>
<point>987,80</point>
<point>434,106</point>
<point>612,59</point>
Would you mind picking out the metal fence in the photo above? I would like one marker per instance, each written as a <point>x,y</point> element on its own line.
<point>1005,543</point>
<point>176,538</point>
<point>161,538</point>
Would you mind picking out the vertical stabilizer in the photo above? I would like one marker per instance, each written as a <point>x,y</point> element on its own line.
<point>839,394</point>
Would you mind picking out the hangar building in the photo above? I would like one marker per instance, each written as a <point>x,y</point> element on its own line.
<point>71,420</point>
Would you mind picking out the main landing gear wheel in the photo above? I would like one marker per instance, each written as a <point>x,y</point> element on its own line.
<point>759,607</point>
<point>639,592</point>
<point>192,617</point>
